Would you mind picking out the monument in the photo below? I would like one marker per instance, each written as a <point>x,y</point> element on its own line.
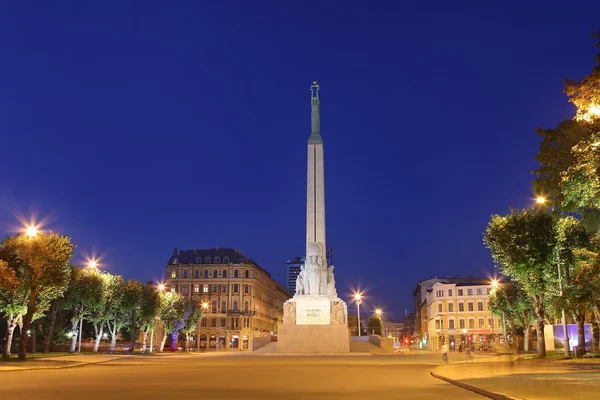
<point>315,320</point>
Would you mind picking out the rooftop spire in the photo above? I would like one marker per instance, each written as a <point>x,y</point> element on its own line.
<point>315,114</point>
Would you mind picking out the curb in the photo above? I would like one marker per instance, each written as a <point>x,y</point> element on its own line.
<point>60,366</point>
<point>483,392</point>
<point>310,354</point>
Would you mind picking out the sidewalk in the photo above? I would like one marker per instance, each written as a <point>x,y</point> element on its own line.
<point>509,377</point>
<point>57,362</point>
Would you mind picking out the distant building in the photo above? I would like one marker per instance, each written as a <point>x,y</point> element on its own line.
<point>394,329</point>
<point>292,269</point>
<point>244,303</point>
<point>409,326</point>
<point>457,313</point>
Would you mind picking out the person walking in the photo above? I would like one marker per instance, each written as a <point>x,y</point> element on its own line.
<point>445,353</point>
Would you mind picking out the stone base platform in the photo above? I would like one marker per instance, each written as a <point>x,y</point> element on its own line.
<point>313,339</point>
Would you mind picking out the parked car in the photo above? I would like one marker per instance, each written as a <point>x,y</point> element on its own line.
<point>168,347</point>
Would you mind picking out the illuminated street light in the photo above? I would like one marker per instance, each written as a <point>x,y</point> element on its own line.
<point>205,306</point>
<point>494,283</point>
<point>92,264</point>
<point>378,311</point>
<point>357,297</point>
<point>31,231</point>
<point>161,287</point>
<point>540,200</point>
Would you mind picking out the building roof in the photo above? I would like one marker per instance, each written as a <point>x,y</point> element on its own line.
<point>190,257</point>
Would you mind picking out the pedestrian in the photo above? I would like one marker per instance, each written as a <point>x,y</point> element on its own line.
<point>460,348</point>
<point>445,353</point>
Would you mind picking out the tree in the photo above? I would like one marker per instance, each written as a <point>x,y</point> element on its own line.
<point>13,299</point>
<point>353,324</point>
<point>172,315</point>
<point>523,244</point>
<point>112,313</point>
<point>84,294</point>
<point>194,315</point>
<point>41,265</point>
<point>511,303</point>
<point>139,307</point>
<point>375,324</point>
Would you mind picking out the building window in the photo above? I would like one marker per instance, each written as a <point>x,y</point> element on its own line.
<point>461,324</point>
<point>215,288</point>
<point>224,273</point>
<point>225,260</point>
<point>437,324</point>
<point>247,274</point>
<point>172,290</point>
<point>460,292</point>
<point>206,260</point>
<point>206,273</point>
<point>223,288</point>
<point>213,322</point>
<point>479,291</point>
<point>480,306</point>
<point>246,305</point>
<point>481,325</point>
<point>223,322</point>
<point>173,274</point>
<point>215,273</point>
<point>236,288</point>
<point>223,306</point>
<point>439,307</point>
<point>196,288</point>
<point>471,324</point>
<point>210,274</point>
<point>235,305</point>
<point>185,288</point>
<point>198,260</point>
<point>205,289</point>
<point>197,273</point>
<point>246,289</point>
<point>470,306</point>
<point>235,273</point>
<point>217,260</point>
<point>490,322</point>
<point>175,261</point>
<point>451,324</point>
<point>461,307</point>
<point>185,274</point>
<point>449,292</point>
<point>213,306</point>
<point>450,307</point>
<point>469,292</point>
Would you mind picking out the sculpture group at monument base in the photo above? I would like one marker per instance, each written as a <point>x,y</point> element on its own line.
<point>313,339</point>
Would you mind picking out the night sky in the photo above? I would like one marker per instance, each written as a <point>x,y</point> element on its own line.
<point>137,127</point>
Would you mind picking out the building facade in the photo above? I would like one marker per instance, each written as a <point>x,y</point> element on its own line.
<point>292,269</point>
<point>394,329</point>
<point>242,301</point>
<point>457,314</point>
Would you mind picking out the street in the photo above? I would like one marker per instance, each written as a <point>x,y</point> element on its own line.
<point>239,377</point>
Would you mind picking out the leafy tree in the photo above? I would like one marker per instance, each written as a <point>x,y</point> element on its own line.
<point>513,306</point>
<point>523,244</point>
<point>375,324</point>
<point>141,305</point>
<point>42,272</point>
<point>13,299</point>
<point>353,324</point>
<point>194,315</point>
<point>112,314</point>
<point>172,315</point>
<point>84,294</point>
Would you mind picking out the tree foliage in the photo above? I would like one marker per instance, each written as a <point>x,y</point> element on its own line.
<point>375,324</point>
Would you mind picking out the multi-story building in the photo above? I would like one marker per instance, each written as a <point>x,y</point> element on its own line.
<point>394,329</point>
<point>292,269</point>
<point>243,302</point>
<point>458,314</point>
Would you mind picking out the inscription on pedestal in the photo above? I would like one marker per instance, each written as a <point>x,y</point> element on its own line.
<point>313,312</point>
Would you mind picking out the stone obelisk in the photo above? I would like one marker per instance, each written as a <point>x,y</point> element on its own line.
<point>316,319</point>
<point>315,187</point>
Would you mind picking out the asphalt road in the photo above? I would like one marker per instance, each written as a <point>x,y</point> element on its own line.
<point>238,377</point>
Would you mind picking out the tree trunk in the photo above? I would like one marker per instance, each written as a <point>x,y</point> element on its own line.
<point>526,333</point>
<point>74,333</point>
<point>539,326</point>
<point>11,324</point>
<point>98,331</point>
<point>162,342</point>
<point>581,332</point>
<point>187,341</point>
<point>174,337</point>
<point>145,339</point>
<point>50,335</point>
<point>113,335</point>
<point>134,333</point>
<point>33,337</point>
<point>31,309</point>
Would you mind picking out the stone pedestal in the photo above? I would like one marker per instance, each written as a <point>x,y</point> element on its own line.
<point>314,324</point>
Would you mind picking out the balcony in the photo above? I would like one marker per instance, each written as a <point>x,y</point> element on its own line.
<point>241,312</point>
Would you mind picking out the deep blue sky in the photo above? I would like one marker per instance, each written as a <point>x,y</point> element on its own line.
<point>136,127</point>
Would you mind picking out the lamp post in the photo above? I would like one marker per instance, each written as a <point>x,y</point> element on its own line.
<point>204,308</point>
<point>378,311</point>
<point>357,297</point>
<point>567,351</point>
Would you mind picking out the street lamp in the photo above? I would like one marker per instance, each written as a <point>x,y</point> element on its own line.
<point>31,231</point>
<point>161,287</point>
<point>378,312</point>
<point>92,264</point>
<point>357,297</point>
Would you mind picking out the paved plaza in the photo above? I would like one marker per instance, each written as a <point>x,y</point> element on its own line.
<point>238,377</point>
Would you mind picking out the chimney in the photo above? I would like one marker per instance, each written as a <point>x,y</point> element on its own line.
<point>174,251</point>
